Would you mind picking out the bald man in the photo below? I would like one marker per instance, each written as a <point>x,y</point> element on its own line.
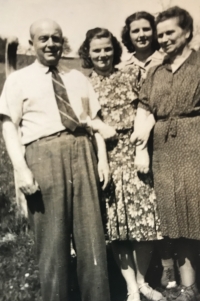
<point>59,173</point>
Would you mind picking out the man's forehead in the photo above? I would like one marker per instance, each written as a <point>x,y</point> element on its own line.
<point>45,27</point>
<point>48,30</point>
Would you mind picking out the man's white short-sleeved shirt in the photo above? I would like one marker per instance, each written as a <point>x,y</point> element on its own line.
<point>28,99</point>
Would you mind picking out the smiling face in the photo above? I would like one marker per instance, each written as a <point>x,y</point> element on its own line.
<point>101,53</point>
<point>47,41</point>
<point>171,37</point>
<point>141,34</point>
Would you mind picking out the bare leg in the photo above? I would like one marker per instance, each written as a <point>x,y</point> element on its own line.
<point>187,254</point>
<point>124,257</point>
<point>187,273</point>
<point>166,250</point>
<point>143,254</point>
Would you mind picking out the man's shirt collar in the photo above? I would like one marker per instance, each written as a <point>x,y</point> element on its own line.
<point>45,69</point>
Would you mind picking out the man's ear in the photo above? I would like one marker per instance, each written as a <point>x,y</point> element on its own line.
<point>30,42</point>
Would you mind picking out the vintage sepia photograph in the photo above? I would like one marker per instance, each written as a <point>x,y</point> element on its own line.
<point>100,150</point>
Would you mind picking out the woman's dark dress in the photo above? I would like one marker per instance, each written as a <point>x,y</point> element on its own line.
<point>174,99</point>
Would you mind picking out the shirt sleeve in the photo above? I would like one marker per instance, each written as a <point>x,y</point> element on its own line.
<point>11,99</point>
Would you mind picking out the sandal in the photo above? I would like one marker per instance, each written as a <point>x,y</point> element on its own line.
<point>135,296</point>
<point>188,293</point>
<point>168,278</point>
<point>150,293</point>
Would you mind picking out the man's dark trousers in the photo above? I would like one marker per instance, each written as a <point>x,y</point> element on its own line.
<point>65,168</point>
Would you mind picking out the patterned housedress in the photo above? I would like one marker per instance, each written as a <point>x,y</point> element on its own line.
<point>174,99</point>
<point>131,207</point>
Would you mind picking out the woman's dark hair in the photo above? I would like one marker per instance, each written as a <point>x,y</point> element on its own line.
<point>126,40</point>
<point>185,21</point>
<point>98,33</point>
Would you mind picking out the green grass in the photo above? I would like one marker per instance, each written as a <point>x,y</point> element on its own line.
<point>18,270</point>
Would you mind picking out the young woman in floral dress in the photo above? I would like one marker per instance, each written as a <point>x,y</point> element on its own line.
<point>132,219</point>
<point>140,39</point>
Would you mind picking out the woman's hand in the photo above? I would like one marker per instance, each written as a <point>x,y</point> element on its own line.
<point>103,167</point>
<point>142,160</point>
<point>144,122</point>
<point>140,138</point>
<point>104,173</point>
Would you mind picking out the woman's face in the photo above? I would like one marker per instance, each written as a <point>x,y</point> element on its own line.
<point>141,34</point>
<point>101,53</point>
<point>171,37</point>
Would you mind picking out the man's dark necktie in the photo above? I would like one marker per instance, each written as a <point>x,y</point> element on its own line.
<point>68,117</point>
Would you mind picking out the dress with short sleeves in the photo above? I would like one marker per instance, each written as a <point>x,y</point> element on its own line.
<point>174,99</point>
<point>130,201</point>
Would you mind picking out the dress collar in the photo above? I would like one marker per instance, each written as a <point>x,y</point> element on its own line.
<point>94,74</point>
<point>190,58</point>
<point>156,56</point>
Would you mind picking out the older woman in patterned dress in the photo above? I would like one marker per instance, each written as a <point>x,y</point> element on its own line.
<point>132,218</point>
<point>171,94</point>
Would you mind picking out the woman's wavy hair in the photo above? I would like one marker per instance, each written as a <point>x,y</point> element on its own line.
<point>126,40</point>
<point>185,21</point>
<point>98,33</point>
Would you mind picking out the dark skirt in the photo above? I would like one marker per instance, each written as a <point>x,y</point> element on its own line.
<point>176,169</point>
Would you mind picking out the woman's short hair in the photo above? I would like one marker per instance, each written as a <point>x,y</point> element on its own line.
<point>185,21</point>
<point>126,40</point>
<point>98,33</point>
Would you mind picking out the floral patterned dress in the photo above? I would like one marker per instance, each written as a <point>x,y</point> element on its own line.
<point>131,208</point>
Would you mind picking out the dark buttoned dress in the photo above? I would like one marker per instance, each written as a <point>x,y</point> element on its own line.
<point>174,99</point>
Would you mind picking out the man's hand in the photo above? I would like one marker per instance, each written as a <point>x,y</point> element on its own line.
<point>104,173</point>
<point>24,176</point>
<point>107,132</point>
<point>26,181</point>
<point>142,160</point>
